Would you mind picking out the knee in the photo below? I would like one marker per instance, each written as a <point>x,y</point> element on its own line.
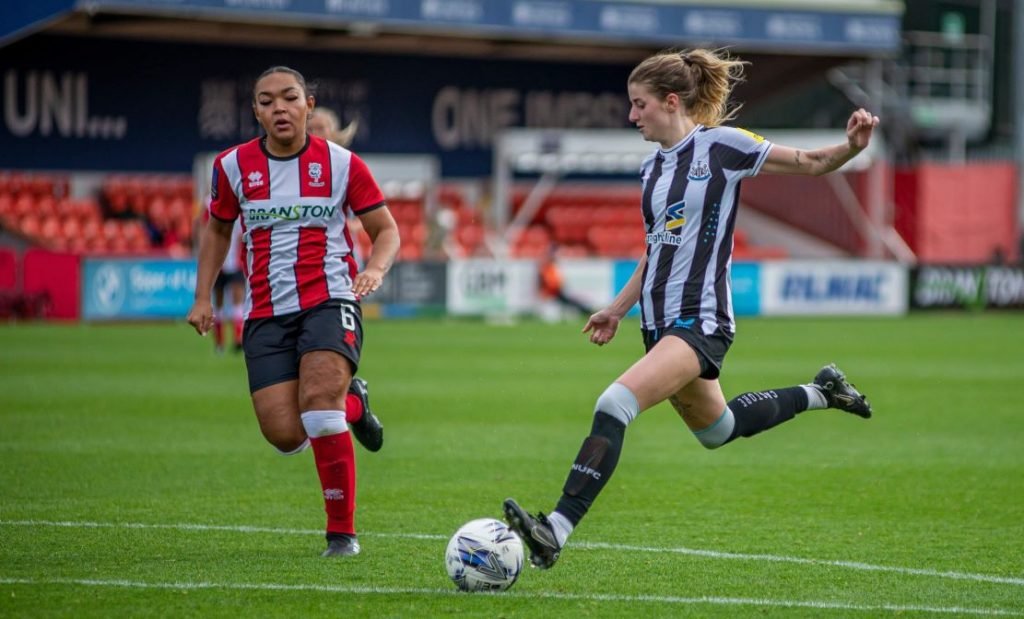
<point>319,395</point>
<point>287,443</point>
<point>291,448</point>
<point>618,402</point>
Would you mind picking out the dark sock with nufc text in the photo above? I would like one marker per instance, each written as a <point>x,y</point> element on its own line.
<point>335,463</point>
<point>593,467</point>
<point>758,411</point>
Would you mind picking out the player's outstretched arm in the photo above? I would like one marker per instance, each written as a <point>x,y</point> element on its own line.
<point>786,160</point>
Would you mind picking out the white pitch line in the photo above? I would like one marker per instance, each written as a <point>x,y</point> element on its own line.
<point>713,554</point>
<point>596,597</point>
<point>853,565</point>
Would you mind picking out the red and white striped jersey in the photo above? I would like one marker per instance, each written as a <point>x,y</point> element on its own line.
<point>299,251</point>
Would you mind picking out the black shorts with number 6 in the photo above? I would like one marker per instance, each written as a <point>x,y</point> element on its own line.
<point>273,346</point>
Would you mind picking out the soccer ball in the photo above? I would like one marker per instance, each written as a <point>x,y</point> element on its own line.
<point>484,555</point>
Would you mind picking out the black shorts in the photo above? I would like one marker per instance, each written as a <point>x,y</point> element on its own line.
<point>710,349</point>
<point>224,279</point>
<point>273,346</point>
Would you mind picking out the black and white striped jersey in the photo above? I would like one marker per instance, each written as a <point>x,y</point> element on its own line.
<point>690,195</point>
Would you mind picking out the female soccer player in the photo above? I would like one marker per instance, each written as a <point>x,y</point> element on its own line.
<point>303,330</point>
<point>324,123</point>
<point>690,194</point>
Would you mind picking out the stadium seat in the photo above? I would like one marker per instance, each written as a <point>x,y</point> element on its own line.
<point>50,228</point>
<point>471,238</point>
<point>29,225</point>
<point>8,269</point>
<point>71,227</point>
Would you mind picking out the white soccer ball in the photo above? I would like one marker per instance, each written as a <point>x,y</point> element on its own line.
<point>484,555</point>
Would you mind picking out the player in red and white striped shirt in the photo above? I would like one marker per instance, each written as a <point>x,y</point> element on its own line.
<point>303,330</point>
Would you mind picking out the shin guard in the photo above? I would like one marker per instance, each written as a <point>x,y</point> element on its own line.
<point>593,467</point>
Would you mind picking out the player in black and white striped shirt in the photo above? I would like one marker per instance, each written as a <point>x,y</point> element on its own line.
<point>691,189</point>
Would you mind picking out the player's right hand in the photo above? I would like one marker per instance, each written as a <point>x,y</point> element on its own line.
<point>201,317</point>
<point>602,327</point>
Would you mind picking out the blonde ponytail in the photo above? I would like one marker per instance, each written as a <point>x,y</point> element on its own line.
<point>702,79</point>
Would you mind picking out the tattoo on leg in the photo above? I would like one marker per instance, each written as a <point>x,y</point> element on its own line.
<point>681,407</point>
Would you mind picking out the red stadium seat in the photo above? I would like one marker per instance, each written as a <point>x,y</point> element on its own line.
<point>50,228</point>
<point>139,244</point>
<point>8,269</point>
<point>30,225</point>
<point>71,227</point>
<point>470,237</point>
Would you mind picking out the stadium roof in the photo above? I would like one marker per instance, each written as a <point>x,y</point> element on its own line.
<point>826,27</point>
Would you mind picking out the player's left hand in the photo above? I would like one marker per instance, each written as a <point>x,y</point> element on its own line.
<point>859,128</point>
<point>367,282</point>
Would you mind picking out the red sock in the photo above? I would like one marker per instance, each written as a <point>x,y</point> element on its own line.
<point>335,462</point>
<point>238,331</point>
<point>353,408</point>
<point>218,333</point>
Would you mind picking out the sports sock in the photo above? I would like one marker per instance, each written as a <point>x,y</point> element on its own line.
<point>758,411</point>
<point>218,329</point>
<point>561,527</point>
<point>335,463</point>
<point>592,468</point>
<point>353,408</point>
<point>815,398</point>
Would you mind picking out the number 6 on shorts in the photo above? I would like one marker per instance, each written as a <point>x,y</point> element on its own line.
<point>348,320</point>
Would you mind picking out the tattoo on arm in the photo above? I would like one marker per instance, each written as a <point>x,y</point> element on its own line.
<point>798,159</point>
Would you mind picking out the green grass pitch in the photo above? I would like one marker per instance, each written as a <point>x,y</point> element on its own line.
<point>134,481</point>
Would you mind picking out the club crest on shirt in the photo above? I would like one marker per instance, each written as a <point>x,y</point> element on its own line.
<point>699,171</point>
<point>674,217</point>
<point>315,171</point>
<point>255,179</point>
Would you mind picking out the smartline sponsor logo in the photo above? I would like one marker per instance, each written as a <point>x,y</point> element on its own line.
<point>293,212</point>
<point>666,238</point>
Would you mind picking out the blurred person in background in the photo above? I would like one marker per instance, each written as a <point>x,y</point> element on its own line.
<point>324,123</point>
<point>303,331</point>
<point>691,183</point>
<point>552,286</point>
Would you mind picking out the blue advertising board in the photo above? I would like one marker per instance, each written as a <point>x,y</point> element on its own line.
<point>746,289</point>
<point>134,289</point>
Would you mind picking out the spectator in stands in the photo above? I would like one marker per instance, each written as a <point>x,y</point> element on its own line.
<point>303,330</point>
<point>679,100</point>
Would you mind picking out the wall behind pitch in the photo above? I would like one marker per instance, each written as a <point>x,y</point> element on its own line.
<point>75,103</point>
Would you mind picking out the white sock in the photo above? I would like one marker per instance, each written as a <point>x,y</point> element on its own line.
<point>815,398</point>
<point>561,526</point>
